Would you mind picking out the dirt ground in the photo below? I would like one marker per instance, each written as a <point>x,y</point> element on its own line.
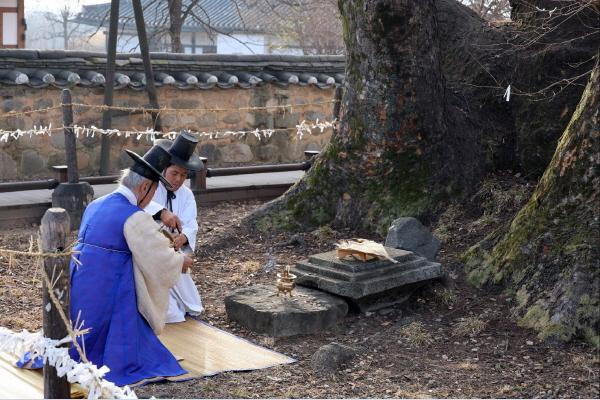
<point>446,341</point>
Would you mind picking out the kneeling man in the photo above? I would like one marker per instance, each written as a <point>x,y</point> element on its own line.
<point>121,288</point>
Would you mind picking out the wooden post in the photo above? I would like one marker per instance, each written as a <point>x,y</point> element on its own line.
<point>70,140</point>
<point>144,49</point>
<point>198,179</point>
<point>54,232</point>
<point>109,85</point>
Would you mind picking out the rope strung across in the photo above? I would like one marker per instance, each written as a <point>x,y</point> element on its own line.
<point>102,107</point>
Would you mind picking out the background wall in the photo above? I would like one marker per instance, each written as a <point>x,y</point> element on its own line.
<point>31,157</point>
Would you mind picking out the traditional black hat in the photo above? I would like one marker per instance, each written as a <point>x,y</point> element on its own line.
<point>152,164</point>
<point>182,151</point>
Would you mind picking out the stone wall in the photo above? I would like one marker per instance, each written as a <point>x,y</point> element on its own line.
<point>29,158</point>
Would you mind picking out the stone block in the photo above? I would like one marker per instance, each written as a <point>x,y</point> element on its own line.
<point>236,153</point>
<point>286,120</point>
<point>90,142</point>
<point>73,197</point>
<point>308,311</point>
<point>208,120</point>
<point>367,285</point>
<point>268,152</point>
<point>9,105</point>
<point>185,103</point>
<point>58,158</point>
<point>43,103</point>
<point>232,118</point>
<point>210,151</point>
<point>8,166</point>
<point>32,162</point>
<point>409,234</point>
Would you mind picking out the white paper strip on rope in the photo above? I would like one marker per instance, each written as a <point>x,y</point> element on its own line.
<point>87,375</point>
<point>90,131</point>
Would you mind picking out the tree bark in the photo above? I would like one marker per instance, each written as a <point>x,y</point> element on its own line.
<point>550,254</point>
<point>175,25</point>
<point>393,154</point>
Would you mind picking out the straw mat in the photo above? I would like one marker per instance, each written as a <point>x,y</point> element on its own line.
<point>203,350</point>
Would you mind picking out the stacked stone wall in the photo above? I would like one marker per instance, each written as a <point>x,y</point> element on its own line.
<point>32,157</point>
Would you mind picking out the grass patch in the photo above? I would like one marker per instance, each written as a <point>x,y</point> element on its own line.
<point>250,266</point>
<point>469,327</point>
<point>415,334</point>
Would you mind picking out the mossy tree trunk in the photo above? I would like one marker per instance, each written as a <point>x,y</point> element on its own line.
<point>393,154</point>
<point>550,255</point>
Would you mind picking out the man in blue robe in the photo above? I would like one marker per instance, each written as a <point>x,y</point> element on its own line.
<point>120,289</point>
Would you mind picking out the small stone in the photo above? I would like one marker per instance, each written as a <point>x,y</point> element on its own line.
<point>386,311</point>
<point>332,357</point>
<point>444,357</point>
<point>475,349</point>
<point>529,343</point>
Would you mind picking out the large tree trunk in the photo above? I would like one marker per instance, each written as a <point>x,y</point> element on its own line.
<point>550,255</point>
<point>393,154</point>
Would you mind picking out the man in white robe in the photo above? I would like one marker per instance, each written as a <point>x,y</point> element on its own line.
<point>183,297</point>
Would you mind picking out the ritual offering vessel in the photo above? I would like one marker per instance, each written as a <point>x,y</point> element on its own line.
<point>286,282</point>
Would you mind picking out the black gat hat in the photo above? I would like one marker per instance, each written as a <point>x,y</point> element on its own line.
<point>152,164</point>
<point>182,151</point>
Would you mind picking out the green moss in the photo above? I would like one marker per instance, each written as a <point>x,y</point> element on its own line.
<point>277,221</point>
<point>522,297</point>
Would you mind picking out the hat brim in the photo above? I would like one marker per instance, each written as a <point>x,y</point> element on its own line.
<point>138,159</point>
<point>193,164</point>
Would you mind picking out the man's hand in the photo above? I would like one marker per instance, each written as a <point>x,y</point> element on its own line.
<point>180,241</point>
<point>187,263</point>
<point>171,220</point>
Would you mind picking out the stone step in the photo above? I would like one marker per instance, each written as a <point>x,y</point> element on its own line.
<point>305,267</point>
<point>376,284</point>
<point>330,259</point>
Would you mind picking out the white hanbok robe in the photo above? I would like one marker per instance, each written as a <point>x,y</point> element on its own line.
<point>183,297</point>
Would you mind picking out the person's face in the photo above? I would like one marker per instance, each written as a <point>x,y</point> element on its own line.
<point>176,176</point>
<point>143,189</point>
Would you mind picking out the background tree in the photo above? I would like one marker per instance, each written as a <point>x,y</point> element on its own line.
<point>314,26</point>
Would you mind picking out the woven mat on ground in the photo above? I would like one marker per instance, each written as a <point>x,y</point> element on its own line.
<point>203,350</point>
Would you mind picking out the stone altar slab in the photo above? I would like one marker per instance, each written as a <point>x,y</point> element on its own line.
<point>261,310</point>
<point>367,285</point>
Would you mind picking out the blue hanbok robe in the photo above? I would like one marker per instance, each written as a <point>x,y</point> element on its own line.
<point>103,295</point>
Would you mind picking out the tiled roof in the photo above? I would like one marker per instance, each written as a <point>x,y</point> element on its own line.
<point>38,69</point>
<point>219,15</point>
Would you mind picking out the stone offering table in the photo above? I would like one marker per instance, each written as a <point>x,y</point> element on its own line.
<point>308,311</point>
<point>367,285</point>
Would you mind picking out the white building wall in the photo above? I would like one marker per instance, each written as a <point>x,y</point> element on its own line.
<point>239,43</point>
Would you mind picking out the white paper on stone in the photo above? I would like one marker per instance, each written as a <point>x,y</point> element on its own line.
<point>365,246</point>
